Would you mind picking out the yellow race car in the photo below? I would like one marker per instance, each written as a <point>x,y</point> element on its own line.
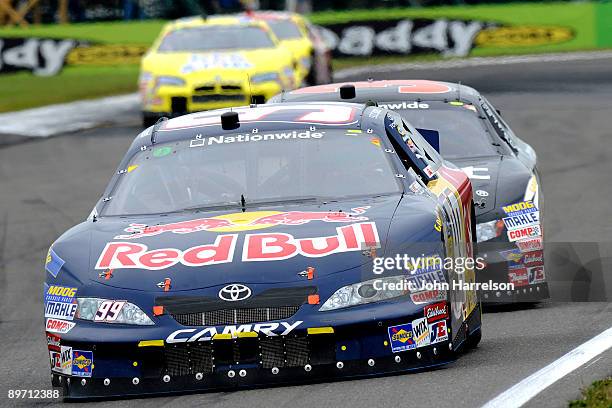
<point>199,64</point>
<point>312,55</point>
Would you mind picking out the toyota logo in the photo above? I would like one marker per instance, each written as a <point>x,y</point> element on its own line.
<point>234,292</point>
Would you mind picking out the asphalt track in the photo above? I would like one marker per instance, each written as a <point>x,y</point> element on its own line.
<point>562,109</point>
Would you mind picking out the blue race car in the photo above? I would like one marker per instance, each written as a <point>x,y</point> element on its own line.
<point>469,131</point>
<point>265,245</point>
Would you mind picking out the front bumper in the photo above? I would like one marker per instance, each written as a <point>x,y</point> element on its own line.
<point>127,368</point>
<point>175,101</point>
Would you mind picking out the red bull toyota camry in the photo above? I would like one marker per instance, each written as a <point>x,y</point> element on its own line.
<point>265,245</point>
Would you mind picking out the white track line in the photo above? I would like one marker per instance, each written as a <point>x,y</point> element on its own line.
<point>472,62</point>
<point>528,388</point>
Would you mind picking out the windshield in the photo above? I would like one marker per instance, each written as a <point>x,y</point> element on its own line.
<point>212,38</point>
<point>462,132</point>
<point>285,29</point>
<point>274,166</point>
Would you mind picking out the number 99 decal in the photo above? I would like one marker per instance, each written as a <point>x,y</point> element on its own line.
<point>109,310</point>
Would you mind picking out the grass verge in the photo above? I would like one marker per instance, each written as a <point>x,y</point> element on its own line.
<point>597,395</point>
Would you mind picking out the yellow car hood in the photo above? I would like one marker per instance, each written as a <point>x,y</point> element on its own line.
<point>216,63</point>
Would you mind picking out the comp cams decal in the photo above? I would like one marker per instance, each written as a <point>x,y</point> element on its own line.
<point>58,326</point>
<point>257,247</point>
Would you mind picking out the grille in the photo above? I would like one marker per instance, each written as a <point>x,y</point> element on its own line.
<point>217,98</point>
<point>267,352</point>
<point>189,358</point>
<point>205,88</point>
<point>272,352</point>
<point>231,87</point>
<point>235,316</point>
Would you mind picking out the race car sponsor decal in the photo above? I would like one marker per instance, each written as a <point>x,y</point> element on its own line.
<point>522,220</point>
<point>517,275</point>
<point>423,281</point>
<point>59,326</point>
<point>435,312</point>
<point>61,361</point>
<point>438,332</point>
<point>244,222</point>
<point>534,258</point>
<point>427,296</point>
<point>82,363</point>
<point>401,337</point>
<point>428,171</point>
<point>525,232</point>
<point>253,138</point>
<point>404,105</point>
<point>513,255</point>
<point>420,330</point>
<point>530,244</point>
<point>206,334</point>
<point>53,263</point>
<point>199,62</point>
<point>53,342</point>
<point>454,197</point>
<point>109,310</point>
<point>63,294</point>
<point>522,208</point>
<point>60,302</point>
<point>60,310</point>
<point>257,247</point>
<point>536,274</point>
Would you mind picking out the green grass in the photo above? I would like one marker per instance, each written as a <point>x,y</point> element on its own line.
<point>23,90</point>
<point>597,395</point>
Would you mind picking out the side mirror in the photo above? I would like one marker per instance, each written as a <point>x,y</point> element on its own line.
<point>498,111</point>
<point>432,137</point>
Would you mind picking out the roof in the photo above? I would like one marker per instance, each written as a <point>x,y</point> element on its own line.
<point>269,117</point>
<point>385,90</point>
<point>198,21</point>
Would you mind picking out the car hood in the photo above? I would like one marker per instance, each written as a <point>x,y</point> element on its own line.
<point>211,64</point>
<point>496,181</point>
<point>214,248</point>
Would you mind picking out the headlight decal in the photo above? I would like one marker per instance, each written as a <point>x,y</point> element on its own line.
<point>111,311</point>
